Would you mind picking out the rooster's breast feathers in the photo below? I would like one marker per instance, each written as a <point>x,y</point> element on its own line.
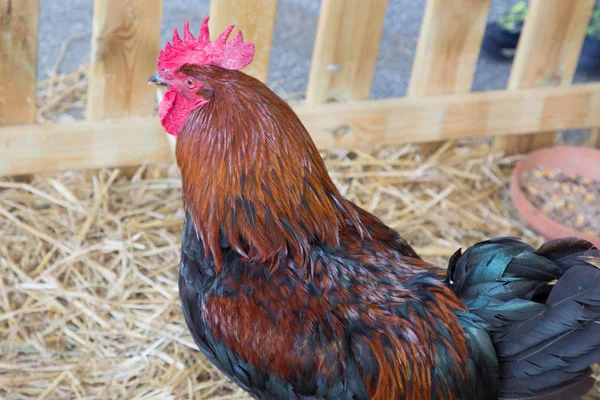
<point>358,328</point>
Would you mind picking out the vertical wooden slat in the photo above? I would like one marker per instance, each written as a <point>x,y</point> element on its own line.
<point>594,138</point>
<point>346,48</point>
<point>448,48</point>
<point>256,19</point>
<point>547,55</point>
<point>18,53</point>
<point>125,43</point>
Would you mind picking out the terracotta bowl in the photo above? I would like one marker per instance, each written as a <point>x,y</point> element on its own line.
<point>571,160</point>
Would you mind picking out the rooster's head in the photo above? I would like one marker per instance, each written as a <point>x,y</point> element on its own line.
<point>178,62</point>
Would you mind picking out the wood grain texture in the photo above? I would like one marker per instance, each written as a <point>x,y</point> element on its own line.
<point>346,48</point>
<point>125,44</point>
<point>18,52</point>
<point>594,138</point>
<point>256,20</point>
<point>130,141</point>
<point>547,55</point>
<point>448,48</point>
<point>89,144</point>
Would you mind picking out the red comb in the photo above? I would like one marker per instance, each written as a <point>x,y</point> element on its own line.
<point>233,55</point>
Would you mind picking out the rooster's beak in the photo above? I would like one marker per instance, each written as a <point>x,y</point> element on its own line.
<point>156,79</point>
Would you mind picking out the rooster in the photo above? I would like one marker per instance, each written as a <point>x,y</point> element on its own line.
<point>294,292</point>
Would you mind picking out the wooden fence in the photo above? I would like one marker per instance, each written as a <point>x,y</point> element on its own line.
<point>120,129</point>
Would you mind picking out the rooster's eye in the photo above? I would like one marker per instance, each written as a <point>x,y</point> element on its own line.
<point>190,83</point>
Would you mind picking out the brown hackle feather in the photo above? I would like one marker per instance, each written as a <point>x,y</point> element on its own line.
<point>265,191</point>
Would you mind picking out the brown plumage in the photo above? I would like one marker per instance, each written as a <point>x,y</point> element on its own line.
<point>268,204</point>
<point>294,292</point>
<point>257,190</point>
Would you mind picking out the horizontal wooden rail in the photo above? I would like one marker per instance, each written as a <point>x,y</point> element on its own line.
<point>134,140</point>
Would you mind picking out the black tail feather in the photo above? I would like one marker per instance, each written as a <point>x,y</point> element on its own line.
<point>542,310</point>
<point>560,250</point>
<point>575,389</point>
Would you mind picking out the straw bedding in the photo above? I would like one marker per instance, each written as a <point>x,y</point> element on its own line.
<point>88,267</point>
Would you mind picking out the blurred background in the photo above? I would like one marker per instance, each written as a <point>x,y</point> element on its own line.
<point>293,40</point>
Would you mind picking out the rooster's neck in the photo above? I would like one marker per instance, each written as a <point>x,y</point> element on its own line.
<point>253,180</point>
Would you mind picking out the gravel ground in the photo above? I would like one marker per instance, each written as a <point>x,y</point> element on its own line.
<point>293,44</point>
